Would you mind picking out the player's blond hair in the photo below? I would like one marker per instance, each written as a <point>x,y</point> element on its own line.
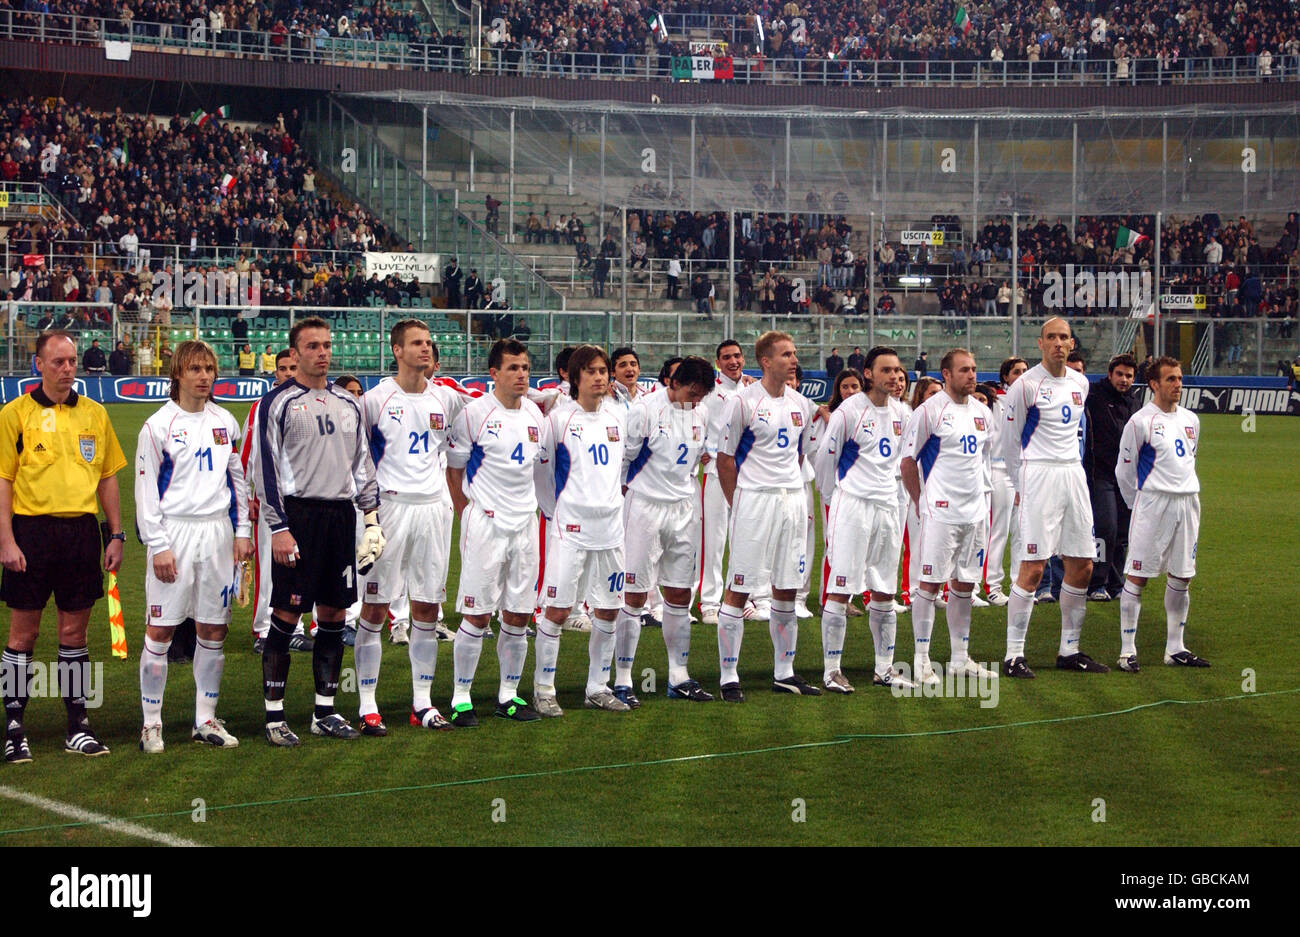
<point>767,341</point>
<point>185,354</point>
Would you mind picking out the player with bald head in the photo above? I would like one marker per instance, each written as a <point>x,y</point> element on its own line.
<point>1044,455</point>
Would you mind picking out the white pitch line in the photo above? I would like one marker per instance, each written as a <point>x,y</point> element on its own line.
<point>124,827</point>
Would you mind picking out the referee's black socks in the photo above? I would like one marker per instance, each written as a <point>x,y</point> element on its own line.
<point>275,664</point>
<point>326,664</point>
<point>74,681</point>
<point>15,677</point>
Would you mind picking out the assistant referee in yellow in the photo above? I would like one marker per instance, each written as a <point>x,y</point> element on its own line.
<point>58,462</point>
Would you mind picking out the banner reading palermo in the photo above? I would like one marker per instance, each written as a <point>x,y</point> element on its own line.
<point>702,68</point>
<point>427,268</point>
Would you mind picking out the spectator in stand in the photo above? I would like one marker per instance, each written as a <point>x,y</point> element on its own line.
<point>119,362</point>
<point>93,361</point>
<point>834,365</point>
<point>857,360</point>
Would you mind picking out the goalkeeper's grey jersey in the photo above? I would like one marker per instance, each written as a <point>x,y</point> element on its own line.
<point>312,444</point>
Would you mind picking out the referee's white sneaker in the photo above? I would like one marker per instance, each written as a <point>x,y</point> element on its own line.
<point>213,732</point>
<point>151,740</point>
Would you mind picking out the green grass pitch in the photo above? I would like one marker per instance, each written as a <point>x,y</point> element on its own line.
<point>1218,765</point>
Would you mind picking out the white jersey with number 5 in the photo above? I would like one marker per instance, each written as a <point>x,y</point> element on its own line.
<point>498,448</point>
<point>187,465</point>
<point>765,435</point>
<point>1157,453</point>
<point>407,433</point>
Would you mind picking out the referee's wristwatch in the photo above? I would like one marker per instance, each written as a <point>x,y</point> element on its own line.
<point>120,535</point>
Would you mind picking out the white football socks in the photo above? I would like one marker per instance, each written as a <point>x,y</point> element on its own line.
<point>1074,606</point>
<point>547,645</point>
<point>465,651</point>
<point>731,631</point>
<point>627,634</point>
<point>422,650</point>
<point>512,649</point>
<point>835,623</point>
<point>1177,601</point>
<point>783,626</point>
<point>1020,605</point>
<point>958,616</point>
<point>209,665</point>
<point>153,679</point>
<point>366,654</point>
<point>600,654</point>
<point>922,625</point>
<point>1130,607</point>
<point>884,626</point>
<point>677,639</point>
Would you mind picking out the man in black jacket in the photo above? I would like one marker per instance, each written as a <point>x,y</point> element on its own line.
<point>93,361</point>
<point>119,362</point>
<point>834,365</point>
<point>451,277</point>
<point>857,360</point>
<point>1110,405</point>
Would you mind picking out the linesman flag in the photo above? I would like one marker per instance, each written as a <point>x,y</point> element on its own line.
<point>116,627</point>
<point>1126,237</point>
<point>962,21</point>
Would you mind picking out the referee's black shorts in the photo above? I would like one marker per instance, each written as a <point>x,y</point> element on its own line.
<point>326,533</point>
<point>64,556</point>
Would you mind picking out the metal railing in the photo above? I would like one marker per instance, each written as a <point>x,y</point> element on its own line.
<point>454,57</point>
<point>1225,346</point>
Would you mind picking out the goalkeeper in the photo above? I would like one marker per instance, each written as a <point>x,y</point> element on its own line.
<point>314,462</point>
<point>192,514</point>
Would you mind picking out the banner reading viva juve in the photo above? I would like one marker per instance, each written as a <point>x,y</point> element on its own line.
<point>422,267</point>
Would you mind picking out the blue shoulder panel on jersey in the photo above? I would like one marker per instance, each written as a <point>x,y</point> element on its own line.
<point>929,452</point>
<point>638,463</point>
<point>1146,462</point>
<point>474,461</point>
<point>1083,433</point>
<point>1031,424</point>
<point>743,446</point>
<point>377,444</point>
<point>561,469</point>
<point>164,474</point>
<point>848,456</point>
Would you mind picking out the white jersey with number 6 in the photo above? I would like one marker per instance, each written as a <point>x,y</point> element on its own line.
<point>860,450</point>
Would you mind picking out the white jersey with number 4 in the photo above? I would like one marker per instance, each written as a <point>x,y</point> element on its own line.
<point>1157,453</point>
<point>187,466</point>
<point>663,448</point>
<point>499,448</point>
<point>765,435</point>
<point>860,450</point>
<point>1045,418</point>
<point>950,445</point>
<point>588,476</point>
<point>407,434</point>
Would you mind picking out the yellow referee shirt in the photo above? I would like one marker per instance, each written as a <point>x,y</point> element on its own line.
<point>57,454</point>
<point>246,361</point>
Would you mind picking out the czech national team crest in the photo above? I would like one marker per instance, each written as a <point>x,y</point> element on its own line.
<point>220,436</point>
<point>533,435</point>
<point>979,423</point>
<point>898,427</point>
<point>437,421</point>
<point>841,580</point>
<point>631,579</point>
<point>1077,398</point>
<point>695,434</point>
<point>1190,431</point>
<point>796,419</point>
<point>87,445</point>
<point>1032,549</point>
<point>155,611</point>
<point>612,433</point>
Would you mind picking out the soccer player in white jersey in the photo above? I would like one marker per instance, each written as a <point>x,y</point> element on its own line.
<point>810,500</point>
<point>285,369</point>
<point>856,467</point>
<point>760,472</point>
<point>715,509</point>
<point>407,419</point>
<point>1045,460</point>
<point>1156,473</point>
<point>1003,511</point>
<point>665,440</point>
<point>586,564</point>
<point>624,374</point>
<point>495,445</point>
<point>192,513</point>
<point>946,470</point>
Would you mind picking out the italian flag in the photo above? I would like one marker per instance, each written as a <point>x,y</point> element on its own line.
<point>227,183</point>
<point>1127,237</point>
<point>658,27</point>
<point>200,117</point>
<point>223,110</point>
<point>962,21</point>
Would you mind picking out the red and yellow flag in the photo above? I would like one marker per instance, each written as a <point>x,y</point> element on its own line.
<point>116,627</point>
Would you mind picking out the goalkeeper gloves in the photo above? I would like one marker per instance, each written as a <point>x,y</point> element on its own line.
<point>372,543</point>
